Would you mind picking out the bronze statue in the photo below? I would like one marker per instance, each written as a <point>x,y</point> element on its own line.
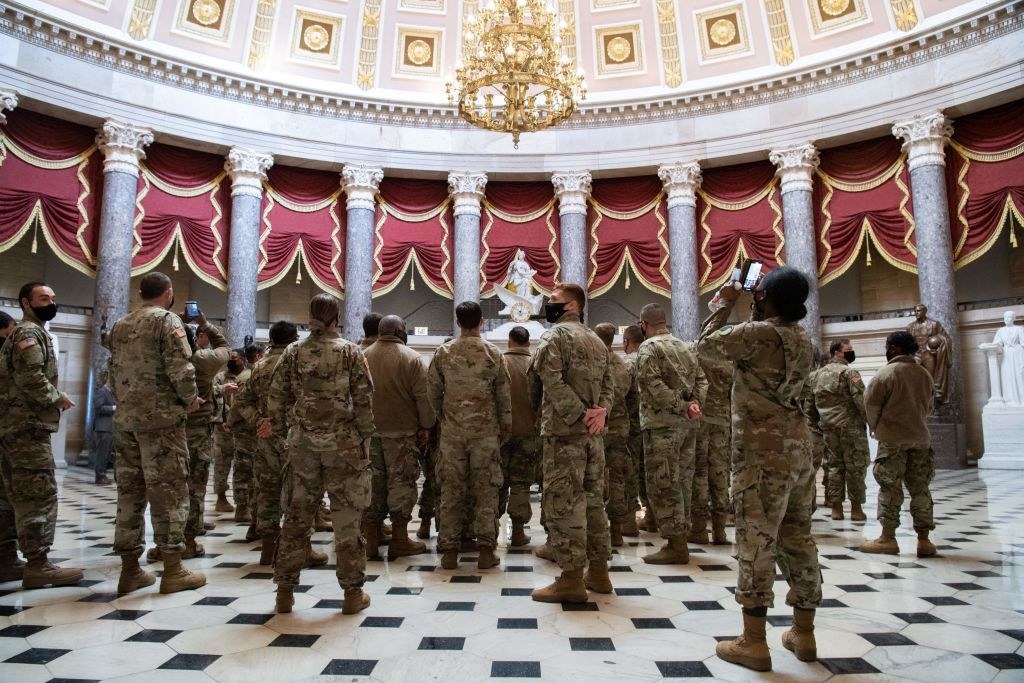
<point>934,349</point>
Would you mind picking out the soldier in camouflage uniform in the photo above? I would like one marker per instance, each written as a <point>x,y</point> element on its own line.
<point>403,418</point>
<point>898,402</point>
<point>672,390</point>
<point>469,390</point>
<point>711,463</point>
<point>810,412</point>
<point>225,386</point>
<point>155,386</point>
<point>243,436</point>
<point>520,452</point>
<point>11,566</point>
<point>572,384</point>
<point>322,390</point>
<point>616,439</point>
<point>772,475</point>
<point>269,465</point>
<point>31,414</point>
<point>636,487</point>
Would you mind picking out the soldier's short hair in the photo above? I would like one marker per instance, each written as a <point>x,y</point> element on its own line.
<point>26,291</point>
<point>606,331</point>
<point>468,314</point>
<point>633,334</point>
<point>154,284</point>
<point>283,333</point>
<point>520,335</point>
<point>787,289</point>
<point>371,324</point>
<point>5,321</point>
<point>252,353</point>
<point>391,324</point>
<point>324,309</point>
<point>904,341</point>
<point>190,335</point>
<point>836,345</point>
<point>574,292</point>
<point>652,313</point>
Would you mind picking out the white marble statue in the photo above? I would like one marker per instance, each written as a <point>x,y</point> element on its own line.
<point>1010,338</point>
<point>517,291</point>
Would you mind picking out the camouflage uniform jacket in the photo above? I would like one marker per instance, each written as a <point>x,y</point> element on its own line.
<point>250,402</point>
<point>524,417</point>
<point>716,408</point>
<point>807,405</point>
<point>772,360</point>
<point>244,433</point>
<point>30,368</point>
<point>568,376</point>
<point>669,377</point>
<point>322,389</point>
<point>221,402</point>
<point>208,364</point>
<point>622,380</point>
<point>898,401</point>
<point>468,386</point>
<point>633,396</point>
<point>150,371</point>
<point>400,403</point>
<point>839,396</point>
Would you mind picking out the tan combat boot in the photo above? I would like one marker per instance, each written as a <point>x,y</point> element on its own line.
<point>545,552</point>
<point>355,601</point>
<point>519,536</point>
<point>153,555</point>
<point>800,639</point>
<point>222,504</point>
<point>372,540</point>
<point>269,550</point>
<point>176,577</point>
<point>314,558</point>
<point>884,545</point>
<point>750,649</point>
<point>925,548</point>
<point>11,568</point>
<point>132,575</point>
<point>629,527</point>
<point>401,545</point>
<point>424,531</point>
<point>857,513</point>
<point>596,577</point>
<point>568,587</point>
<point>323,518</point>
<point>650,523</point>
<point>698,530</point>
<point>193,548</point>
<point>285,600</point>
<point>673,552</point>
<point>487,558</point>
<point>837,511</point>
<point>718,536</point>
<point>40,573</point>
<point>450,559</point>
<point>615,534</point>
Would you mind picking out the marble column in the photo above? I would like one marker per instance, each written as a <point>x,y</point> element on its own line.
<point>248,170</point>
<point>572,190</point>
<point>360,184</point>
<point>795,169</point>
<point>924,138</point>
<point>467,192</point>
<point>681,182</point>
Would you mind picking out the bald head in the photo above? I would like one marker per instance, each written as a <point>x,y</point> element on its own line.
<point>391,324</point>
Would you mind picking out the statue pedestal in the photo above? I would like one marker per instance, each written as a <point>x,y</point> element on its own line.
<point>500,333</point>
<point>949,442</point>
<point>1003,429</point>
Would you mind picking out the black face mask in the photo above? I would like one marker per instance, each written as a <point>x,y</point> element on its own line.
<point>757,309</point>
<point>553,311</point>
<point>850,356</point>
<point>45,313</point>
<point>234,367</point>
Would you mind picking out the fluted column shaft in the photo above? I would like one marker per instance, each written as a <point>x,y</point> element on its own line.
<point>360,184</point>
<point>248,170</point>
<point>572,191</point>
<point>795,169</point>
<point>467,192</point>
<point>681,182</point>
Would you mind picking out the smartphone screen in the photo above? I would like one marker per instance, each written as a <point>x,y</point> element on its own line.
<point>751,276</point>
<point>192,309</point>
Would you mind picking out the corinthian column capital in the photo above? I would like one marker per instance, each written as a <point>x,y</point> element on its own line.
<point>123,146</point>
<point>572,190</point>
<point>924,137</point>
<point>681,182</point>
<point>795,166</point>
<point>360,184</point>
<point>248,170</point>
<point>467,189</point>
<point>8,101</point>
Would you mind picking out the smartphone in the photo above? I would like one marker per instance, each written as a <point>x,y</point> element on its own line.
<point>191,309</point>
<point>750,274</point>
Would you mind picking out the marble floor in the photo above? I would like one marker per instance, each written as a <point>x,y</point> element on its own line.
<point>955,617</point>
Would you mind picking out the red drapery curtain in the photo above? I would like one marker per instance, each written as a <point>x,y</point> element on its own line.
<point>862,195</point>
<point>740,217</point>
<point>629,231</point>
<point>413,228</point>
<point>303,221</point>
<point>519,216</point>
<point>985,179</point>
<point>183,204</point>
<point>51,177</point>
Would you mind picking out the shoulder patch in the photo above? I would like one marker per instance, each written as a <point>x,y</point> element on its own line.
<point>855,376</point>
<point>26,343</point>
<point>180,331</point>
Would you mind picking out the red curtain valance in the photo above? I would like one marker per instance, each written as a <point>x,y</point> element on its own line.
<point>519,216</point>
<point>413,228</point>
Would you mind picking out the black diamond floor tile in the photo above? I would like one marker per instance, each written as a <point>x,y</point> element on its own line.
<point>36,655</point>
<point>21,630</point>
<point>918,618</point>
<point>441,643</point>
<point>516,592</point>
<point>580,607</point>
<point>214,602</point>
<point>856,588</point>
<point>329,604</point>
<point>966,586</point>
<point>1003,660</point>
<point>125,614</point>
<point>591,645</point>
<point>294,640</point>
<point>676,579</point>
<point>455,606</point>
<point>944,601</point>
<point>651,622</point>
<point>189,662</point>
<point>349,667</point>
<point>513,623</point>
<point>627,592</point>
<point>153,636</point>
<point>515,669</point>
<point>512,569</point>
<point>1014,633</point>
<point>884,639</point>
<point>848,665</point>
<point>698,605</point>
<point>255,619</point>
<point>780,619</point>
<point>405,591</point>
<point>465,579</point>
<point>683,669</point>
<point>382,622</point>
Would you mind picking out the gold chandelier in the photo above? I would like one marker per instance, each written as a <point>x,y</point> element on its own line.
<point>516,74</point>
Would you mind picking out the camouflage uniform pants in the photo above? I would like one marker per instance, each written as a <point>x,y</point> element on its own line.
<point>345,474</point>
<point>200,454</point>
<point>151,466</point>
<point>574,500</point>
<point>428,495</point>
<point>241,476</point>
<point>819,459</point>
<point>519,458</point>
<point>224,457</point>
<point>711,470</point>
<point>848,459</point>
<point>899,464</point>
<point>8,527</point>
<point>669,456</point>
<point>465,464</point>
<point>617,466</point>
<point>268,478</point>
<point>772,495</point>
<point>636,487</point>
<point>30,490</point>
<point>396,468</point>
